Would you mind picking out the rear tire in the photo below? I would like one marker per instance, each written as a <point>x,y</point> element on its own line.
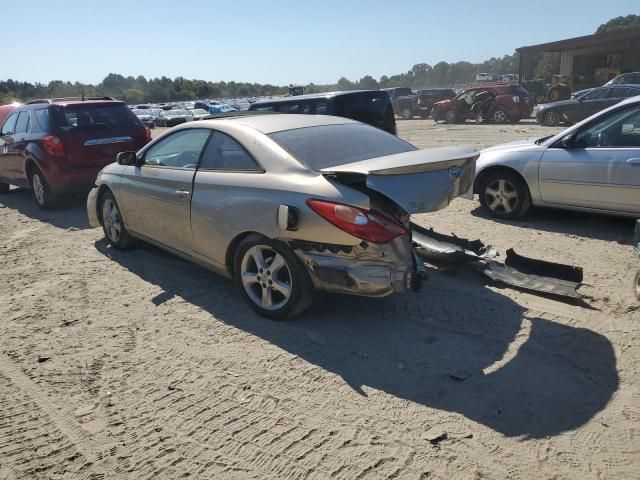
<point>407,113</point>
<point>278,294</point>
<point>112,223</point>
<point>43,197</point>
<point>500,116</point>
<point>503,194</point>
<point>450,117</point>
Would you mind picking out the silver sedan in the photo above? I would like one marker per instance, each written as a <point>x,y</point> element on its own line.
<point>282,204</point>
<point>593,166</point>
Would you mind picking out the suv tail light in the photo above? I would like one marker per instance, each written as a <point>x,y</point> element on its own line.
<point>365,224</point>
<point>147,134</point>
<point>53,146</point>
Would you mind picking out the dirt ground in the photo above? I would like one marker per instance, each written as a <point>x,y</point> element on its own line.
<point>138,365</point>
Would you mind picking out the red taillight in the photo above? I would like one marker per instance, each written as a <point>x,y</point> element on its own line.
<point>147,134</point>
<point>365,224</point>
<point>53,146</point>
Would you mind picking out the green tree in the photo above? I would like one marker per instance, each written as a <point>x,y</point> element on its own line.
<point>619,23</point>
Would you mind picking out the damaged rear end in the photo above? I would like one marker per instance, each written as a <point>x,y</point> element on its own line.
<point>397,186</point>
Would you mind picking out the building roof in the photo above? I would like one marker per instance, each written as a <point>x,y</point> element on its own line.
<point>582,42</point>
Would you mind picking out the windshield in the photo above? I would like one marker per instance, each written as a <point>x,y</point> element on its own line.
<point>595,94</point>
<point>331,145</point>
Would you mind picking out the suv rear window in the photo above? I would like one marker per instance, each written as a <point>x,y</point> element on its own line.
<point>82,117</point>
<point>371,108</point>
<point>331,145</point>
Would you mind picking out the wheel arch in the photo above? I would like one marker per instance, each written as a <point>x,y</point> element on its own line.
<point>102,189</point>
<point>233,248</point>
<point>495,168</point>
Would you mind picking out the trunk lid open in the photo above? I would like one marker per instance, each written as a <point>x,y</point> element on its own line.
<point>419,181</point>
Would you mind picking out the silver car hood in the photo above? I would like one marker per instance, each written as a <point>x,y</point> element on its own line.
<point>525,144</point>
<point>419,181</point>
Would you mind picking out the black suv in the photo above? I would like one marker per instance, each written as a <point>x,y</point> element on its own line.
<point>367,106</point>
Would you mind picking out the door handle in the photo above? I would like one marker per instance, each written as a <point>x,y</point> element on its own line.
<point>183,193</point>
<point>635,161</point>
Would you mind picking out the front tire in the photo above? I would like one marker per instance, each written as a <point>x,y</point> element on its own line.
<point>636,284</point>
<point>450,117</point>
<point>43,197</point>
<point>503,194</point>
<point>551,118</point>
<point>272,280</point>
<point>407,113</point>
<point>112,224</point>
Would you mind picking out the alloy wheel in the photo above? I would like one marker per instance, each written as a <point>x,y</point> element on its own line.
<point>499,116</point>
<point>111,220</point>
<point>551,119</point>
<point>38,188</point>
<point>266,277</point>
<point>501,196</point>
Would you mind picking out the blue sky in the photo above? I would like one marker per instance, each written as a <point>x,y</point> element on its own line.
<point>275,41</point>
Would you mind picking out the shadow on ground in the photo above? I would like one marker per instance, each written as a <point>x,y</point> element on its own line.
<point>71,212</point>
<point>456,346</point>
<point>581,224</point>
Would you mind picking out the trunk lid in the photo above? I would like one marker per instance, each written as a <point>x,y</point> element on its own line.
<point>94,133</point>
<point>419,181</point>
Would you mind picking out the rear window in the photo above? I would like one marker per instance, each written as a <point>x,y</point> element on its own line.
<point>85,117</point>
<point>516,90</point>
<point>370,108</point>
<point>331,145</point>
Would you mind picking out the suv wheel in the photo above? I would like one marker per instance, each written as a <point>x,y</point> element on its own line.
<point>407,114</point>
<point>499,115</point>
<point>42,195</point>
<point>503,194</point>
<point>112,224</point>
<point>271,278</point>
<point>450,116</point>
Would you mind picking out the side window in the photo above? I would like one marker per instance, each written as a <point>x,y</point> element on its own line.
<point>180,150</point>
<point>266,108</point>
<point>618,130</point>
<point>618,92</point>
<point>42,119</point>
<point>289,108</point>
<point>320,107</point>
<point>633,92</point>
<point>9,126</point>
<point>22,125</point>
<point>224,153</point>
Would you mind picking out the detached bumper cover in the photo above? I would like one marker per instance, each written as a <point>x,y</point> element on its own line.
<point>518,271</point>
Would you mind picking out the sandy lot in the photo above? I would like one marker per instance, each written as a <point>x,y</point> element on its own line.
<point>137,365</point>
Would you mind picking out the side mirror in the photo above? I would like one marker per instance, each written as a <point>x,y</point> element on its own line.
<point>569,141</point>
<point>126,158</point>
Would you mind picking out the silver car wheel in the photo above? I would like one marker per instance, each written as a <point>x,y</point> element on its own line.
<point>499,116</point>
<point>551,119</point>
<point>266,277</point>
<point>501,196</point>
<point>111,220</point>
<point>38,188</point>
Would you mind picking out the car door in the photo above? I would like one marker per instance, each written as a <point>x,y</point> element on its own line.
<point>155,197</point>
<point>227,176</point>
<point>16,160</point>
<point>601,169</point>
<point>7,147</point>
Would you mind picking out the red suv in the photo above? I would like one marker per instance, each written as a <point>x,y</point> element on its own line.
<point>507,103</point>
<point>58,146</point>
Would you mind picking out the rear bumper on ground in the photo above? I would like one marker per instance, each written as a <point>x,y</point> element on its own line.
<point>92,208</point>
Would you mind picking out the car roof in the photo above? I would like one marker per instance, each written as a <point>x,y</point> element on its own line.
<point>274,123</point>
<point>312,96</point>
<point>71,103</point>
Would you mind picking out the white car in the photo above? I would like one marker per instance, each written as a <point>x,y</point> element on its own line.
<point>592,166</point>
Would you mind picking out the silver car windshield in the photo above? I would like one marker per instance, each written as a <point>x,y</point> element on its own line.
<point>331,145</point>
